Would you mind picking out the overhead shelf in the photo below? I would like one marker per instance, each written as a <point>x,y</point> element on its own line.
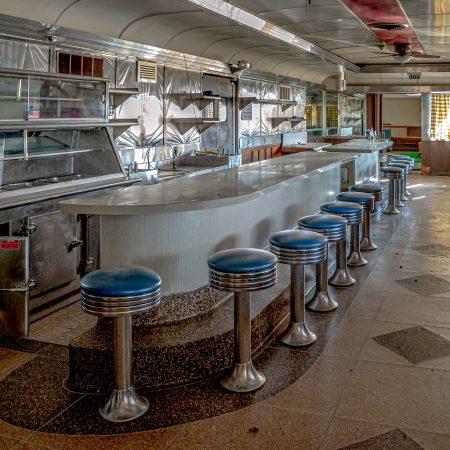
<point>186,99</point>
<point>183,125</point>
<point>276,121</point>
<point>121,125</point>
<point>119,95</point>
<point>285,104</point>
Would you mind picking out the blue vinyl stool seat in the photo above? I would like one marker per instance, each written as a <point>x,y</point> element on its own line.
<point>119,293</point>
<point>298,248</point>
<point>367,201</point>
<point>353,212</point>
<point>242,270</point>
<point>334,228</point>
<point>394,175</point>
<point>374,189</point>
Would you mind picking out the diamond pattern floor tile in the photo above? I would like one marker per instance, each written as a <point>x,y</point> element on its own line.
<point>394,439</point>
<point>416,344</point>
<point>426,284</point>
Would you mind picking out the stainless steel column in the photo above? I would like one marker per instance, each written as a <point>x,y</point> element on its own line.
<point>355,258</point>
<point>243,377</point>
<point>297,333</point>
<point>341,276</point>
<point>322,301</point>
<point>391,206</point>
<point>366,240</point>
<point>124,403</point>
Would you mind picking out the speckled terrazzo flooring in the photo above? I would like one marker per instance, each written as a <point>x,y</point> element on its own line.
<point>378,377</point>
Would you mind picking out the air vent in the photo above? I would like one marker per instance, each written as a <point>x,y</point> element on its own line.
<point>414,75</point>
<point>388,26</point>
<point>285,93</point>
<point>147,72</point>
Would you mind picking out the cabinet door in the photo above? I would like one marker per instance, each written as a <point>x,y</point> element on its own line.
<point>14,278</point>
<point>53,262</point>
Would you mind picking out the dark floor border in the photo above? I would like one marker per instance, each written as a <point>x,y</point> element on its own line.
<point>33,396</point>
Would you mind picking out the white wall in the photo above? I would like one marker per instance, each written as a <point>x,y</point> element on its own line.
<point>401,111</point>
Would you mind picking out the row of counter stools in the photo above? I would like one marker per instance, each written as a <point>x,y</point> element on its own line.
<point>119,293</point>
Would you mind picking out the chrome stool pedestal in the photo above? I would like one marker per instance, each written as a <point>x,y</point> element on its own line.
<point>393,174</point>
<point>410,166</point>
<point>367,201</point>
<point>405,166</point>
<point>333,227</point>
<point>353,213</point>
<point>298,248</point>
<point>242,271</point>
<point>118,294</point>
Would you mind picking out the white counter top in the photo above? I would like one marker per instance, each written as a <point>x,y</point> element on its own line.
<point>311,145</point>
<point>210,190</point>
<point>360,146</point>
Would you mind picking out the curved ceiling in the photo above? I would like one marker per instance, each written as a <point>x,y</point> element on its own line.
<point>176,25</point>
<point>184,26</point>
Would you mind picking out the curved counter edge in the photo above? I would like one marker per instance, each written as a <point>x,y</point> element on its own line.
<point>208,191</point>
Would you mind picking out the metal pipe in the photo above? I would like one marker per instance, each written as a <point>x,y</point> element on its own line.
<point>242,328</point>
<point>398,190</point>
<point>355,258</point>
<point>297,293</point>
<point>297,333</point>
<point>366,240</point>
<point>122,353</point>
<point>322,301</point>
<point>341,276</point>
<point>391,206</point>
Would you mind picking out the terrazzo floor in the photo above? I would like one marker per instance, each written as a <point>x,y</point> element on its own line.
<point>380,381</point>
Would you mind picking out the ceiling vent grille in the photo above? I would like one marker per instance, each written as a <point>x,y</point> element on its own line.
<point>414,75</point>
<point>285,93</point>
<point>147,72</point>
<point>388,26</point>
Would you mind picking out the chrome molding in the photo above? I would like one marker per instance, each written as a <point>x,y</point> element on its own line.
<point>242,17</point>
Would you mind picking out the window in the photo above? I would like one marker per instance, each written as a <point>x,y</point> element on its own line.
<point>440,116</point>
<point>87,66</point>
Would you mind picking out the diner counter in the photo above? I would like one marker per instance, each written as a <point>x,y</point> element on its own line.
<point>360,146</point>
<point>210,190</point>
<point>174,227</point>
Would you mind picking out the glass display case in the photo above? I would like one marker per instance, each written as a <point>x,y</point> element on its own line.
<point>351,115</point>
<point>54,133</point>
<point>34,161</point>
<point>28,97</point>
<point>313,113</point>
<point>332,114</point>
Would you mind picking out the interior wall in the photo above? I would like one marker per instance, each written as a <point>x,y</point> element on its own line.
<point>401,111</point>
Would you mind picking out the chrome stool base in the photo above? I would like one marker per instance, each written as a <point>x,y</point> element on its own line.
<point>243,378</point>
<point>322,302</point>
<point>391,209</point>
<point>298,335</point>
<point>341,278</point>
<point>124,406</point>
<point>355,259</point>
<point>367,244</point>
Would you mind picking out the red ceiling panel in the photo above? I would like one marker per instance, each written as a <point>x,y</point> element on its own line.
<point>385,11</point>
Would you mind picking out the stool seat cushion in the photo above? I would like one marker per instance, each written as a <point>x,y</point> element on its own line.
<point>392,169</point>
<point>323,222</point>
<point>398,164</point>
<point>341,208</point>
<point>356,197</point>
<point>382,157</point>
<point>298,240</point>
<point>121,282</point>
<point>242,260</point>
<point>369,188</point>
